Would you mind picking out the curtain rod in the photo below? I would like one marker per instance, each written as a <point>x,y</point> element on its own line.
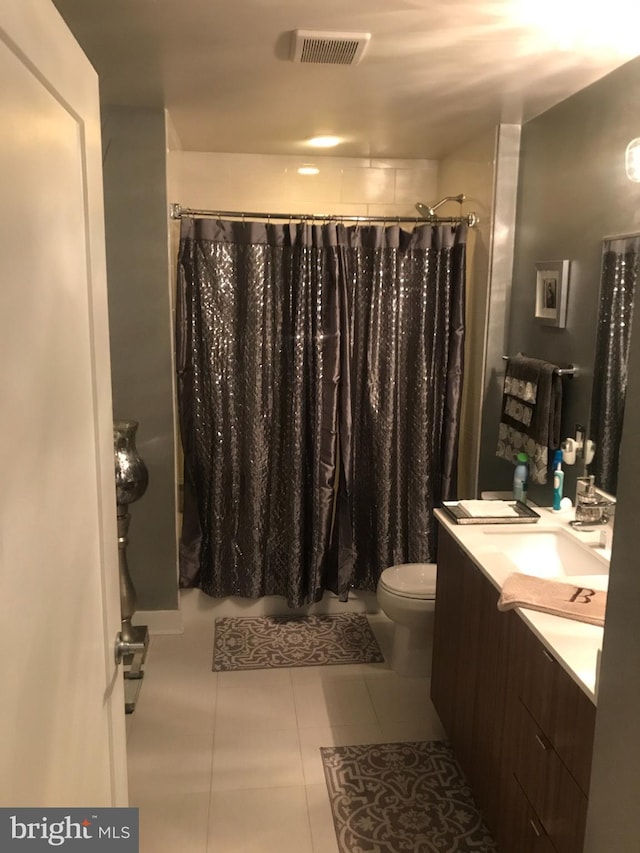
<point>176,211</point>
<point>613,237</point>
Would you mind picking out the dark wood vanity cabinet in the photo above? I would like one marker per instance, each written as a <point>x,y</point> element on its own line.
<point>553,728</point>
<point>468,681</point>
<point>521,728</point>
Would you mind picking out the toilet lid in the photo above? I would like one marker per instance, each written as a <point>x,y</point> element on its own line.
<point>413,580</point>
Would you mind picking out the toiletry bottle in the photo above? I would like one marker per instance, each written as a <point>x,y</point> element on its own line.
<point>558,480</point>
<point>521,478</point>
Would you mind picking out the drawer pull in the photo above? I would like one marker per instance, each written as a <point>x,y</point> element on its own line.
<point>535,827</point>
<point>544,743</point>
<point>548,655</point>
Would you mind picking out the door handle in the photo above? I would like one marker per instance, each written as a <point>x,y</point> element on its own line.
<point>124,647</point>
<point>535,826</point>
<point>543,742</point>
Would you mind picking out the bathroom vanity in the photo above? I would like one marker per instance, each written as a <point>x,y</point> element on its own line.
<point>516,690</point>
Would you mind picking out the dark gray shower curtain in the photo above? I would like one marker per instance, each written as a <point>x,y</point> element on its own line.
<point>296,343</point>
<point>620,269</point>
<point>257,352</point>
<point>400,434</point>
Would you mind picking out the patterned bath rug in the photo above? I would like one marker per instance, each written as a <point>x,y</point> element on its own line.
<point>402,798</point>
<point>265,642</point>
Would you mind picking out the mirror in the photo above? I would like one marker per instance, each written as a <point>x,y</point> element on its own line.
<point>619,273</point>
<point>573,192</point>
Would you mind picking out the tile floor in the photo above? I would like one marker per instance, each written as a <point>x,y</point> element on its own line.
<point>229,762</point>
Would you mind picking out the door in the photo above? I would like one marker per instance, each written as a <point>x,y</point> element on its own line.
<point>62,739</point>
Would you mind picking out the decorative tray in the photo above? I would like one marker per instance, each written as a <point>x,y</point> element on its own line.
<point>525,514</point>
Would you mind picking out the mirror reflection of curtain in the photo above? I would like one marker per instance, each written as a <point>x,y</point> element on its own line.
<point>296,343</point>
<point>620,263</point>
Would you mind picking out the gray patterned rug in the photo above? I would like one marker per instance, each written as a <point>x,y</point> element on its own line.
<point>264,642</point>
<point>402,798</point>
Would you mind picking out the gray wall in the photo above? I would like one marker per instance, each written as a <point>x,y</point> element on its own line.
<point>572,192</point>
<point>139,319</point>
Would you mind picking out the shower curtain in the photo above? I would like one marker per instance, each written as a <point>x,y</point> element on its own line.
<point>620,269</point>
<point>401,407</point>
<point>319,376</point>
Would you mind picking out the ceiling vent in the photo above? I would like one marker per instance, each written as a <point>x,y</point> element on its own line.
<point>329,48</point>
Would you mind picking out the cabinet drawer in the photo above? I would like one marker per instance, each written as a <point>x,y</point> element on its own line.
<point>560,708</point>
<point>523,832</point>
<point>573,728</point>
<point>558,801</point>
<point>537,682</point>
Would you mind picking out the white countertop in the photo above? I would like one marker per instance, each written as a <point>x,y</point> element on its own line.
<point>575,645</point>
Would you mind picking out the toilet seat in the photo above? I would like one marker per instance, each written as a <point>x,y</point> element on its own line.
<point>411,580</point>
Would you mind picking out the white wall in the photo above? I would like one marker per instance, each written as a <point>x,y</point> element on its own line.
<point>270,183</point>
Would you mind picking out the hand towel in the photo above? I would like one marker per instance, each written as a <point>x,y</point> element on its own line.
<point>531,410</point>
<point>557,597</point>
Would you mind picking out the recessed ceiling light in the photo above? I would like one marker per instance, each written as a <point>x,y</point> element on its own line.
<point>308,170</point>
<point>325,141</point>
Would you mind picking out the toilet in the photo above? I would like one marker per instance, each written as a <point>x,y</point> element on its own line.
<point>407,595</point>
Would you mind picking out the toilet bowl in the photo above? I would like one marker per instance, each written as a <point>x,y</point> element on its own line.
<point>407,595</point>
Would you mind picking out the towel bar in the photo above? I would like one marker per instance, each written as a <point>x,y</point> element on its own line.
<point>561,371</point>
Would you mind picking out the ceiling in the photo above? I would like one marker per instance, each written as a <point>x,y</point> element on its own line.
<point>435,73</point>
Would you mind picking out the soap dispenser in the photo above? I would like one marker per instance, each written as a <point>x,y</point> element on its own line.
<point>587,504</point>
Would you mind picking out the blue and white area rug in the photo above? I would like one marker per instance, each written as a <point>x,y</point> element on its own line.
<point>264,642</point>
<point>399,797</point>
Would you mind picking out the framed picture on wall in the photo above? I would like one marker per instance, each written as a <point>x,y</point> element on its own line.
<point>552,285</point>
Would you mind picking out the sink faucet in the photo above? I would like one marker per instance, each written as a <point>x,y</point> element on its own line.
<point>592,506</point>
<point>608,509</point>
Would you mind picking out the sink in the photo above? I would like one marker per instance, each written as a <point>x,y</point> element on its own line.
<point>548,553</point>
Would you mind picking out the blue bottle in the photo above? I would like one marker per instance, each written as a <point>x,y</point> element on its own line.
<point>521,478</point>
